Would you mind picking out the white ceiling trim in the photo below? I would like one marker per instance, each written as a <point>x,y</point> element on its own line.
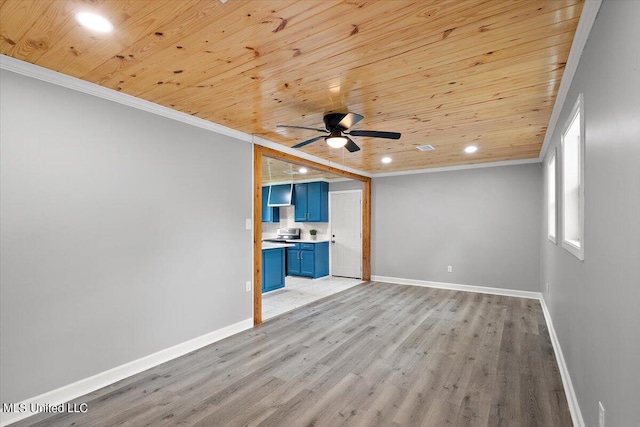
<point>40,73</point>
<point>460,167</point>
<point>587,18</point>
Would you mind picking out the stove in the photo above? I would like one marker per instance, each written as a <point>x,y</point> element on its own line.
<point>285,234</point>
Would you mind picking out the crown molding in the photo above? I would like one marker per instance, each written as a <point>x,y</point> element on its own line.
<point>457,168</point>
<point>44,74</point>
<point>587,18</point>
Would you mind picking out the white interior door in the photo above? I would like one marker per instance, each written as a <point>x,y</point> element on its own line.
<point>346,233</point>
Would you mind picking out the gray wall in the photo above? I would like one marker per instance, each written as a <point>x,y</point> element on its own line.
<point>122,234</point>
<point>595,304</point>
<point>485,223</point>
<point>351,184</point>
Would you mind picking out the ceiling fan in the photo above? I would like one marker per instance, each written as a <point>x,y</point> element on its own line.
<point>337,125</point>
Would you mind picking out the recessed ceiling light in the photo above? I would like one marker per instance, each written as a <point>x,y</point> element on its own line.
<point>471,149</point>
<point>94,22</point>
<point>303,170</point>
<point>386,160</point>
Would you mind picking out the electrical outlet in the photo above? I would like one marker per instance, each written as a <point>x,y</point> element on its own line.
<point>546,289</point>
<point>601,414</point>
<point>450,269</point>
<point>247,286</point>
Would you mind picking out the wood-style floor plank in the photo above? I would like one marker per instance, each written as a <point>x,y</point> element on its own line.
<point>374,355</point>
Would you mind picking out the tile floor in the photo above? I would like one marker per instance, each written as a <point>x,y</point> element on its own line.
<point>299,291</point>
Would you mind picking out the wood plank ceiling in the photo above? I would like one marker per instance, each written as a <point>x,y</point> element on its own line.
<point>449,73</point>
<point>276,171</point>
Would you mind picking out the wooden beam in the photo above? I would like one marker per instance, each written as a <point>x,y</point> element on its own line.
<point>260,151</point>
<point>366,230</point>
<point>269,152</point>
<point>257,236</point>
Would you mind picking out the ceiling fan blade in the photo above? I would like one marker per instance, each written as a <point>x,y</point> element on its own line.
<point>349,120</point>
<point>301,127</point>
<point>351,146</point>
<point>376,134</point>
<point>308,141</point>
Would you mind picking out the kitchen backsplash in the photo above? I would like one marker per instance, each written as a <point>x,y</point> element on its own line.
<point>269,230</point>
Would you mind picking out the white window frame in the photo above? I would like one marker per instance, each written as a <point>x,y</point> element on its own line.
<point>552,199</point>
<point>572,246</point>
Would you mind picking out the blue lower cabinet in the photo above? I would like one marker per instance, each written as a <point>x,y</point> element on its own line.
<point>308,260</point>
<point>307,263</point>
<point>273,269</point>
<point>293,262</point>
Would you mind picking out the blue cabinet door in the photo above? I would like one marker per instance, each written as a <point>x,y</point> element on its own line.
<point>273,271</point>
<point>311,202</point>
<point>307,263</point>
<point>300,202</point>
<point>269,214</point>
<point>293,262</point>
<point>318,202</point>
<point>321,259</point>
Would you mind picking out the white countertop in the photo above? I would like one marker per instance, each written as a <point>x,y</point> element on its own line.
<point>299,241</point>
<point>274,245</point>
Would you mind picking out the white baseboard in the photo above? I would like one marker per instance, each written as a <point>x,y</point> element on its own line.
<point>458,287</point>
<point>103,379</point>
<point>572,399</point>
<point>570,393</point>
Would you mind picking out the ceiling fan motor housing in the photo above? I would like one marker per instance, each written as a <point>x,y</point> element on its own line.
<point>332,122</point>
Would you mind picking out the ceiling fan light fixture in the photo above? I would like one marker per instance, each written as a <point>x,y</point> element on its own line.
<point>335,140</point>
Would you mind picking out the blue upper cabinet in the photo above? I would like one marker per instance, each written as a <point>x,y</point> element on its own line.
<point>311,202</point>
<point>269,214</point>
<point>300,202</point>
<point>318,201</point>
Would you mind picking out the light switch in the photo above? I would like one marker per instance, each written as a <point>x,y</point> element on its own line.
<point>247,224</point>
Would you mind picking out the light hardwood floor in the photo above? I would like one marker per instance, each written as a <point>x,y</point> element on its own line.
<point>374,355</point>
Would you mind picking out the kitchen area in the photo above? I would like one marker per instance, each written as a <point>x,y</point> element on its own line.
<point>298,246</point>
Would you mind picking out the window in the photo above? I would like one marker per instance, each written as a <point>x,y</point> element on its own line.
<point>573,182</point>
<point>551,198</point>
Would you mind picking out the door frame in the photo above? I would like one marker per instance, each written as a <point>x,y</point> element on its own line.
<point>260,151</point>
<point>331,231</point>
